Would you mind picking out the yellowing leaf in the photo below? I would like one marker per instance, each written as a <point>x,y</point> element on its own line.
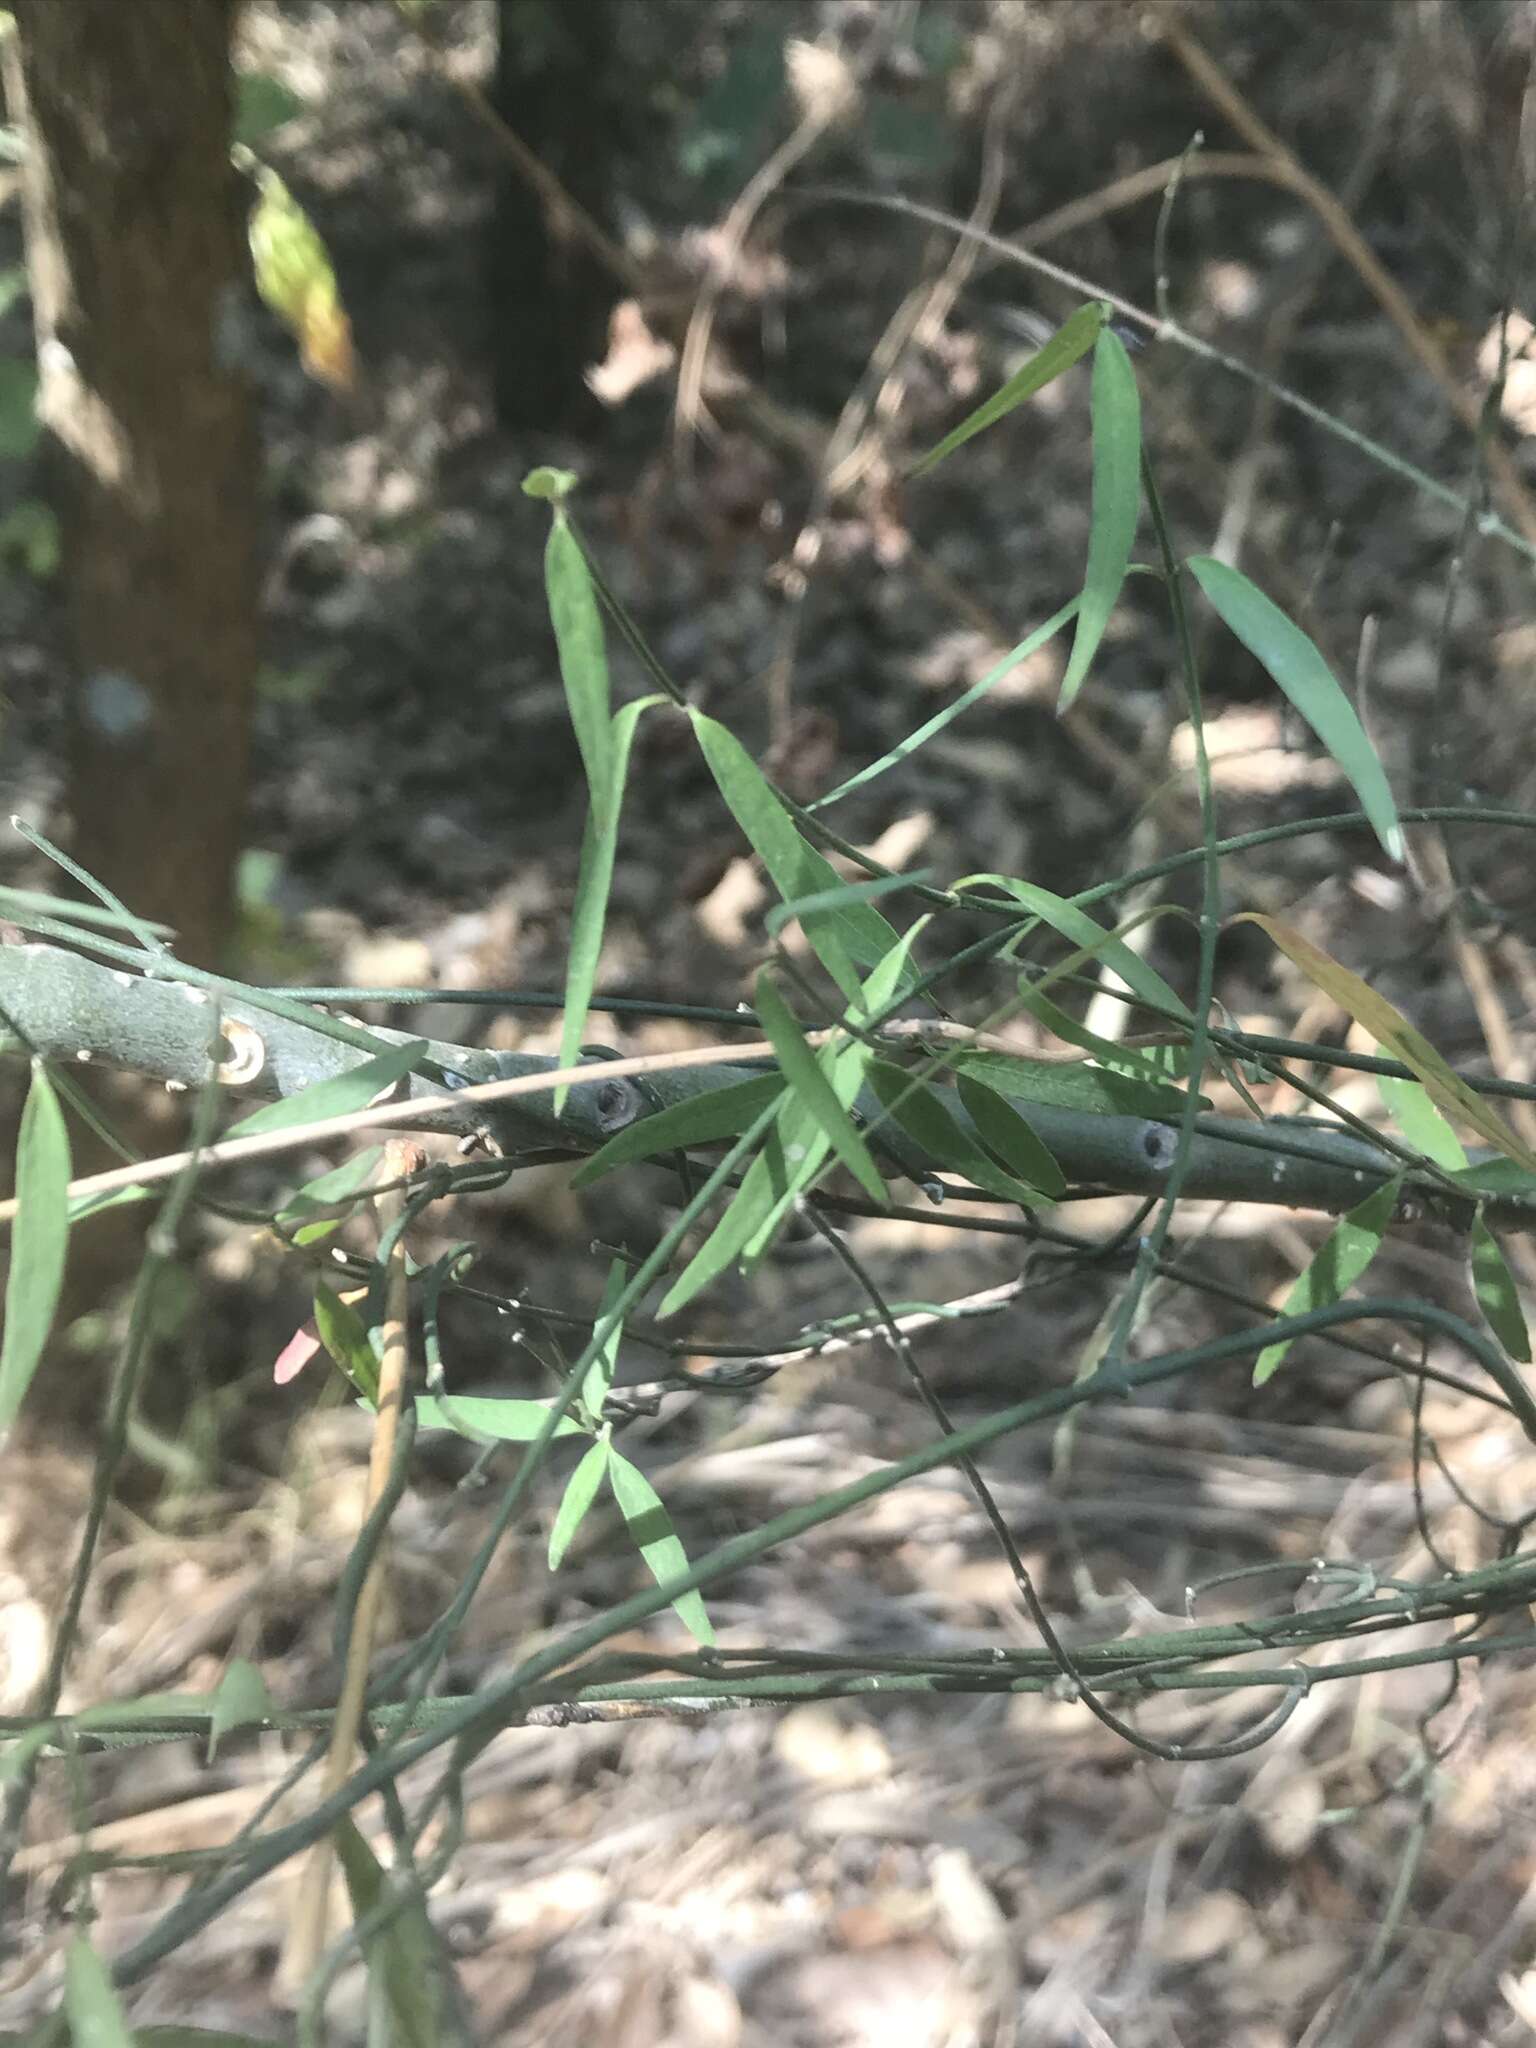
<point>295,278</point>
<point>1391,1030</point>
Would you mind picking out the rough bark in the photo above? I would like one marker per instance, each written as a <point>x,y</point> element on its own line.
<point>135,251</point>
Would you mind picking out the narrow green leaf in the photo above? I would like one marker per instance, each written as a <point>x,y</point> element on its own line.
<point>1070,341</point>
<point>762,1186</point>
<point>1421,1123</point>
<point>338,1096</point>
<point>580,1492</point>
<point>17,1753</point>
<point>798,1149</point>
<point>599,845</point>
<point>889,975</point>
<point>1071,1084</point>
<point>1340,1260</point>
<point>1116,501</point>
<point>1008,1136</point>
<point>750,1204</point>
<point>794,1151</point>
<point>96,2019</point>
<point>1301,672</point>
<point>81,1206</point>
<point>345,1336</point>
<point>578,624</point>
<point>922,1112</point>
<point>1392,1031</point>
<point>838,898</point>
<point>1497,1295</point>
<point>701,1120</point>
<point>810,1083</point>
<point>330,1198</point>
<point>1498,1177</point>
<point>1492,1282</point>
<point>404,1962</point>
<point>513,1422</point>
<point>650,1526</point>
<point>240,1700</point>
<point>796,869</point>
<point>150,1710</point>
<point>904,749</point>
<point>1075,924</point>
<point>39,1236</point>
<point>599,1374</point>
<point>340,1184</point>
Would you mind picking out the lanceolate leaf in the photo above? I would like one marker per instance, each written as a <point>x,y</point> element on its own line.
<point>599,844</point>
<point>1008,1136</point>
<point>931,727</point>
<point>509,1421</point>
<point>1340,1261</point>
<point>338,1096</point>
<point>1064,348</point>
<point>599,1374</point>
<point>91,2004</point>
<point>239,1700</point>
<point>38,1239</point>
<point>1421,1123</point>
<point>345,1336</point>
<point>581,1489</point>
<point>799,1148</point>
<point>657,1540</point>
<point>794,1148</point>
<point>1075,924</point>
<point>839,898</point>
<point>405,1965</point>
<point>1116,500</point>
<point>922,1112</point>
<point>578,624</point>
<point>811,1085</point>
<point>1071,1084</point>
<point>752,1202</point>
<point>1301,672</point>
<point>1493,1284</point>
<point>1496,1292</point>
<point>1396,1035</point>
<point>795,868</point>
<point>340,1184</point>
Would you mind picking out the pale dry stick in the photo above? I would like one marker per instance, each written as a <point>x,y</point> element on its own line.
<point>916,323</point>
<point>264,1144</point>
<point>829,93</point>
<point>1388,294</point>
<point>1281,323</point>
<point>309,1927</point>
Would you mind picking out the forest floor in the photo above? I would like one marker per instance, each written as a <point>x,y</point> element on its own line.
<point>929,1870</point>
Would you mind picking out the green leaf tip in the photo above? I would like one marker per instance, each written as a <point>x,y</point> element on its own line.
<point>554,485</point>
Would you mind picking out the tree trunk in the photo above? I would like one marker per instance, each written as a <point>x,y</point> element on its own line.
<point>556,87</point>
<point>136,255</point>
